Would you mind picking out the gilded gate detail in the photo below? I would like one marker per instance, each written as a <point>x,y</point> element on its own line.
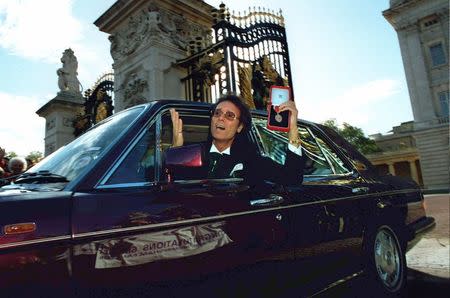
<point>249,53</point>
<point>98,104</point>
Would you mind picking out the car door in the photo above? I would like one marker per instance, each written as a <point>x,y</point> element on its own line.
<point>133,226</point>
<point>326,214</point>
<point>34,237</point>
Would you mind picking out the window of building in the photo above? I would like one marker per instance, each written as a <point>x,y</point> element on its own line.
<point>430,21</point>
<point>437,54</point>
<point>444,100</point>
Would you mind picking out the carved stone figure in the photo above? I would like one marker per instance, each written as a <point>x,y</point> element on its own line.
<point>134,90</point>
<point>67,74</point>
<point>154,24</point>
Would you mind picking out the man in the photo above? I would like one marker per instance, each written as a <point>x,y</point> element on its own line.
<point>231,154</point>
<point>17,165</point>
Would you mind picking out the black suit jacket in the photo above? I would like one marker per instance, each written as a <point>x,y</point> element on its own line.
<point>256,168</point>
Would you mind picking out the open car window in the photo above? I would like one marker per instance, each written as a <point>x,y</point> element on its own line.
<point>195,131</point>
<point>321,160</point>
<point>195,128</point>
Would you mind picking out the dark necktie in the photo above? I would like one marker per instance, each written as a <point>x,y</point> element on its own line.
<point>214,164</point>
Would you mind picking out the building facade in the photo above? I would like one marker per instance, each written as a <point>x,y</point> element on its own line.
<point>399,155</point>
<point>147,38</point>
<point>423,32</point>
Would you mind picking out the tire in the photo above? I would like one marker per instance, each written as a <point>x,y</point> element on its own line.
<point>386,268</point>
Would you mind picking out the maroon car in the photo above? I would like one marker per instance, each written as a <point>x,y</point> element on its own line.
<point>118,208</point>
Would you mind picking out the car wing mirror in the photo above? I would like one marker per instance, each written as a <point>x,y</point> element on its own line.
<point>182,162</point>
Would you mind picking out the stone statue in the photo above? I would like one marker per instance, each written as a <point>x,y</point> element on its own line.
<point>67,74</point>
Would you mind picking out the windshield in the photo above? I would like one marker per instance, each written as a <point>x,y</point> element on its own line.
<point>70,160</point>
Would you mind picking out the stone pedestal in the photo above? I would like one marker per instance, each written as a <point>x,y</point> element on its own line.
<point>59,114</point>
<point>147,37</point>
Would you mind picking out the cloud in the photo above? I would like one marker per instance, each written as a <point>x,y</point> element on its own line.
<point>42,30</point>
<point>38,29</point>
<point>369,93</point>
<point>22,130</point>
<point>354,105</point>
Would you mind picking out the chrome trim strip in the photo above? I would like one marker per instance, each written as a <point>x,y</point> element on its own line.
<point>158,148</point>
<point>36,241</point>
<point>224,216</point>
<point>197,220</point>
<point>126,185</point>
<point>337,283</point>
<point>380,194</point>
<point>176,223</point>
<point>208,181</point>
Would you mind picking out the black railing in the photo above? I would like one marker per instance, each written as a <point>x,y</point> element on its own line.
<point>248,54</point>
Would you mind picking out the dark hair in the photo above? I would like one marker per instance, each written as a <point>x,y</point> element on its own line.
<point>245,118</point>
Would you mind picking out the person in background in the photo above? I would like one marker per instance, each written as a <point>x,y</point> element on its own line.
<point>3,160</point>
<point>231,154</point>
<point>17,165</point>
<point>30,163</point>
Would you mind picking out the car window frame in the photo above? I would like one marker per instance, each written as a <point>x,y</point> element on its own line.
<point>328,141</point>
<point>117,163</point>
<point>194,112</point>
<point>314,132</point>
<point>79,182</point>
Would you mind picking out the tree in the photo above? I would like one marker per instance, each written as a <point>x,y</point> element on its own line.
<point>355,136</point>
<point>11,154</point>
<point>35,156</point>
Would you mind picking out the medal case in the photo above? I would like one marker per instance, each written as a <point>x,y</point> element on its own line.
<point>278,120</point>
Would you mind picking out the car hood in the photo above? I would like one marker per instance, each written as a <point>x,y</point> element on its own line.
<point>20,189</point>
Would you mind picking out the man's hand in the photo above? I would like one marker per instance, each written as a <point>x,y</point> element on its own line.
<point>177,129</point>
<point>294,137</point>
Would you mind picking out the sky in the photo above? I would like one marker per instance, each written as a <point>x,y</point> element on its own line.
<point>345,61</point>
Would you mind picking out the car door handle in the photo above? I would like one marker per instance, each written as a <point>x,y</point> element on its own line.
<point>383,204</point>
<point>360,190</point>
<point>271,199</point>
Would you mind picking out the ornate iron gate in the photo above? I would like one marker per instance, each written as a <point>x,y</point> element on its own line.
<point>98,104</point>
<point>246,56</point>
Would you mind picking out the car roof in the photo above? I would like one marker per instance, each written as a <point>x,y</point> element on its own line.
<point>160,103</point>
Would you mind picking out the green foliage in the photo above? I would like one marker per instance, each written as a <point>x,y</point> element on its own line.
<point>11,154</point>
<point>35,156</point>
<point>355,136</point>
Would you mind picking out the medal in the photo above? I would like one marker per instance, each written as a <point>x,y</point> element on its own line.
<point>278,117</point>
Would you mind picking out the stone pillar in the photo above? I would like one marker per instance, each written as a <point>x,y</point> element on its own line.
<point>147,37</point>
<point>59,114</point>
<point>391,168</point>
<point>434,151</point>
<point>61,110</point>
<point>416,74</point>
<point>413,170</point>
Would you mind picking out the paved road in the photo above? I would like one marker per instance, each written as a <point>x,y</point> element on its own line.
<point>428,261</point>
<point>429,274</point>
<point>431,254</point>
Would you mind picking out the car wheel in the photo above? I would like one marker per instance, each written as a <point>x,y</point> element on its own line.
<point>386,262</point>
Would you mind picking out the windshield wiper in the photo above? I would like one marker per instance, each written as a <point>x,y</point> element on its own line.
<point>40,177</point>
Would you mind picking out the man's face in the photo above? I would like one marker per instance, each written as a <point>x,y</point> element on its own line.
<point>17,168</point>
<point>223,126</point>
